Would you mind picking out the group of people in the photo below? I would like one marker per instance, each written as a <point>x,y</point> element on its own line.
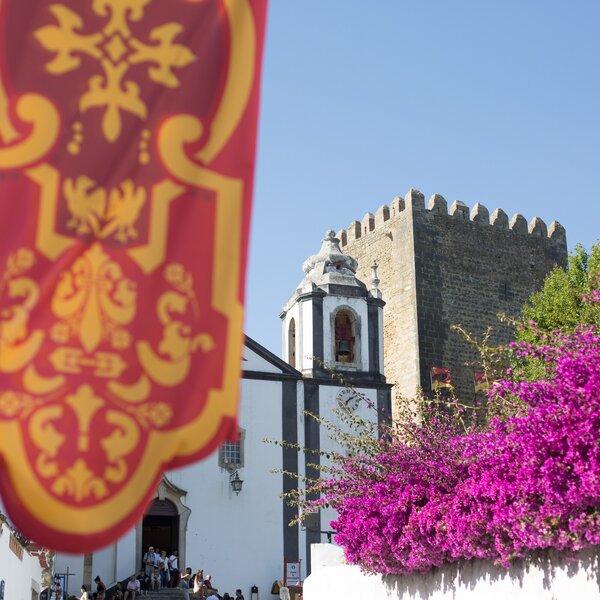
<point>204,587</point>
<point>161,570</point>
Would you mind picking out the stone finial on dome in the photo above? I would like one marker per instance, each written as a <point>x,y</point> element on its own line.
<point>330,259</point>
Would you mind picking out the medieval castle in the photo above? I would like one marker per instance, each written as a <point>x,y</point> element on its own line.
<point>438,267</point>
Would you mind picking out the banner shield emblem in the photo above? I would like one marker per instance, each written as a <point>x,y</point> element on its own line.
<point>127,142</point>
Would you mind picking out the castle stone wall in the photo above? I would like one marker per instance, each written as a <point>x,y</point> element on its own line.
<point>441,266</point>
<point>390,242</point>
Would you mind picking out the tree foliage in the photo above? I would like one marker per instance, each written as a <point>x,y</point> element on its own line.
<point>561,303</point>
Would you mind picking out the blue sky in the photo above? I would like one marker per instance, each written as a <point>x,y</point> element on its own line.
<point>491,102</point>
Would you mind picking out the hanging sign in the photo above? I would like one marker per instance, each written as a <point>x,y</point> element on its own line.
<point>292,574</point>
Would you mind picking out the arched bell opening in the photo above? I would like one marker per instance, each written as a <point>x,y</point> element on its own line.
<point>345,336</point>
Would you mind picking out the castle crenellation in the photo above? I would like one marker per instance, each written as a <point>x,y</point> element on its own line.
<point>459,210</point>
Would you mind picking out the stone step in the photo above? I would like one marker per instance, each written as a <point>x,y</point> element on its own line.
<point>165,594</point>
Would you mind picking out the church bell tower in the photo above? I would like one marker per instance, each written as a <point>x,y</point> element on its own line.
<point>332,320</point>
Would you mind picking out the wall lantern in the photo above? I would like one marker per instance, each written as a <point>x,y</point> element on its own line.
<point>236,483</point>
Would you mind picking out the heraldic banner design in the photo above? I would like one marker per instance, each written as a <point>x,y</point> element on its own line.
<point>127,144</point>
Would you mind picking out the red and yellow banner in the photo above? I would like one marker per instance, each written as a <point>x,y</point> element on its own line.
<point>440,378</point>
<point>127,143</point>
<point>481,381</point>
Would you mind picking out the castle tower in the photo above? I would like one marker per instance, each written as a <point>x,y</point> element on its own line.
<point>333,320</point>
<point>443,266</point>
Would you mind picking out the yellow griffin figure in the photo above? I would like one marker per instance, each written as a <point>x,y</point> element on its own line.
<point>86,204</point>
<point>124,206</point>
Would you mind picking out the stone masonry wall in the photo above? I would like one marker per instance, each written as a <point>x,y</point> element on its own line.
<point>387,237</point>
<point>440,267</point>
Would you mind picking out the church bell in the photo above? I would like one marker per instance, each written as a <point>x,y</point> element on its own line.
<point>343,348</point>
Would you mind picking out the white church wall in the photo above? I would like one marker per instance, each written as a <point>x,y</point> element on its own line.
<point>254,362</point>
<point>237,539</point>
<point>113,563</point>
<point>126,562</point>
<point>553,576</point>
<point>104,564</point>
<point>331,304</point>
<point>20,571</point>
<point>74,562</point>
<point>328,403</point>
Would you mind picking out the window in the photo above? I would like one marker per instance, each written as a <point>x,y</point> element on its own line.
<point>15,546</point>
<point>231,453</point>
<point>344,336</point>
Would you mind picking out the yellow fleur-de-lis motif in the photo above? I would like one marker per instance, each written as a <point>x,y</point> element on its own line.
<point>116,50</point>
<point>94,297</point>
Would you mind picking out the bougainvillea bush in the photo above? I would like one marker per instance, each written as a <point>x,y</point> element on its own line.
<point>432,494</point>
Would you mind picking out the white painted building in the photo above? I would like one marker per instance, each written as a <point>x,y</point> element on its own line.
<point>242,539</point>
<point>21,566</point>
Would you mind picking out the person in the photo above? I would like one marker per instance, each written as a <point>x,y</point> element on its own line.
<point>284,592</point>
<point>144,581</point>
<point>100,588</point>
<point>184,582</point>
<point>133,588</point>
<point>208,583</point>
<point>118,593</point>
<point>84,593</point>
<point>174,568</point>
<point>155,580</point>
<point>149,561</point>
<point>239,595</point>
<point>199,583</point>
<point>163,568</point>
<point>213,595</point>
<point>226,596</point>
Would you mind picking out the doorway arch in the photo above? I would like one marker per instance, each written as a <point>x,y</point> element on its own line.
<point>160,526</point>
<point>165,523</point>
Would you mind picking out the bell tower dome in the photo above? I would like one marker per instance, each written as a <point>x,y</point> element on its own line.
<point>332,320</point>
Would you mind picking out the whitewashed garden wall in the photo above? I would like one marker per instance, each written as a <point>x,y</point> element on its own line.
<point>550,576</point>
